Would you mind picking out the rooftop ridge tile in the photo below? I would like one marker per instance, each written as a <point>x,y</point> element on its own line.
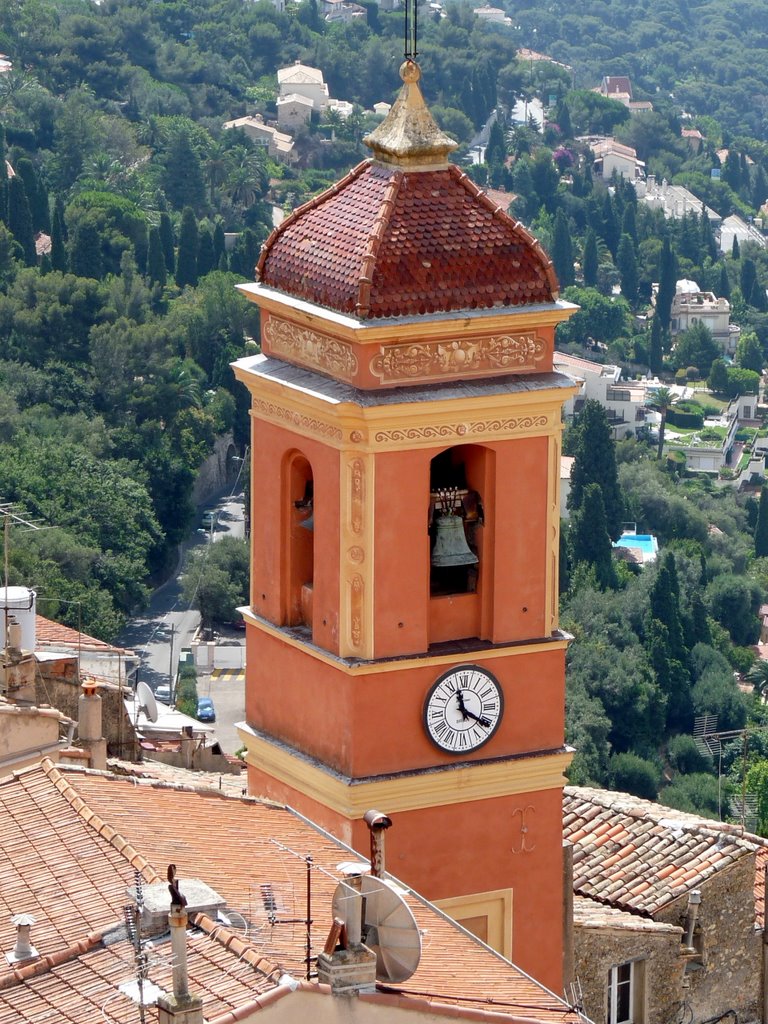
<point>18,975</point>
<point>378,230</point>
<point>109,834</point>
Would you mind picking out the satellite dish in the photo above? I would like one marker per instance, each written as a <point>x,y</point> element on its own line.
<point>146,701</point>
<point>388,928</point>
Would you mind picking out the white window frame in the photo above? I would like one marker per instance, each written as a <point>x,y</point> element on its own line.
<point>614,985</point>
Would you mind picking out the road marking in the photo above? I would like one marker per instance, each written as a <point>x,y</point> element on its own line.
<point>227,674</point>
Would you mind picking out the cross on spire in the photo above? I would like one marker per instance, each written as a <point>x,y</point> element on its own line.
<point>410,50</point>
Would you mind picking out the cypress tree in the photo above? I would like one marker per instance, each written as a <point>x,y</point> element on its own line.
<point>758,298</point>
<point>182,180</point>
<point>667,284</point>
<point>627,266</point>
<point>735,251</point>
<point>219,242</point>
<point>759,188</point>
<point>20,219</point>
<point>141,246</point>
<point>761,527</point>
<point>656,353</point>
<point>610,224</point>
<point>590,541</point>
<point>700,631</point>
<point>595,463</point>
<point>562,252</point>
<point>85,251</point>
<point>166,238</point>
<point>664,599</point>
<point>245,253</point>
<point>708,243</point>
<point>564,120</point>
<point>629,222</point>
<point>3,179</point>
<point>156,271</point>
<point>590,262</point>
<point>671,676</point>
<point>37,195</point>
<point>186,261</point>
<point>58,248</point>
<point>747,278</point>
<point>205,256</point>
<point>724,289</point>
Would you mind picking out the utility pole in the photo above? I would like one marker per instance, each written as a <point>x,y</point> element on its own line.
<point>171,673</point>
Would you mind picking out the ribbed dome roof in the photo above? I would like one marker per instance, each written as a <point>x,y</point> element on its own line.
<point>406,233</point>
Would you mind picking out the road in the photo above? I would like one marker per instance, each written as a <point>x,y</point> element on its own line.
<point>168,617</point>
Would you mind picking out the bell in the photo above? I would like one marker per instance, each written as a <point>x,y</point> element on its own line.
<point>451,546</point>
<point>309,522</point>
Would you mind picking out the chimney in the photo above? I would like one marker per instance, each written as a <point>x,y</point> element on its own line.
<point>346,963</point>
<point>378,823</point>
<point>694,900</point>
<point>181,1007</point>
<point>23,950</point>
<point>89,724</point>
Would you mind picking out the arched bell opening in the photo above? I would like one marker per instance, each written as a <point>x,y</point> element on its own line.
<point>300,539</point>
<point>458,480</point>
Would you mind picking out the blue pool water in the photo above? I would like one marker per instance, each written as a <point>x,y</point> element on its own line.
<point>645,541</point>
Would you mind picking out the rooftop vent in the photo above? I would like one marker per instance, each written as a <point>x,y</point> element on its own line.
<point>23,950</point>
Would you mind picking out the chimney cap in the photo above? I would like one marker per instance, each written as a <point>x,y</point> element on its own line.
<point>376,819</point>
<point>19,920</point>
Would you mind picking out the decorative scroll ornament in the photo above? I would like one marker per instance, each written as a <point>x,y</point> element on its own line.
<point>357,469</point>
<point>465,357</point>
<point>357,588</point>
<point>309,348</point>
<point>306,424</point>
<point>448,430</point>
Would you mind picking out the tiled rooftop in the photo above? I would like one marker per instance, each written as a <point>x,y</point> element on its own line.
<point>49,632</point>
<point>70,840</point>
<point>639,856</point>
<point>387,242</point>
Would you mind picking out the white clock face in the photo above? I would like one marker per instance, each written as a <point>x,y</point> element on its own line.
<point>463,709</point>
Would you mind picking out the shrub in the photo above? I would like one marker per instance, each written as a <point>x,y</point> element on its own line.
<point>681,418</point>
<point>695,794</point>
<point>692,372</point>
<point>186,691</point>
<point>632,774</point>
<point>685,757</point>
<point>680,376</point>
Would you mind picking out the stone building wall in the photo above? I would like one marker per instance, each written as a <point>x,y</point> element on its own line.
<point>58,685</point>
<point>214,473</point>
<point>729,943</point>
<point>597,950</point>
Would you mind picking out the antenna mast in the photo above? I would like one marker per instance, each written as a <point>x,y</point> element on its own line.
<point>410,48</point>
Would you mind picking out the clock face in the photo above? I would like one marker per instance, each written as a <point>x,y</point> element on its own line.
<point>463,709</point>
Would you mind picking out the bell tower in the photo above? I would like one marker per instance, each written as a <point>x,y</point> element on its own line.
<point>403,649</point>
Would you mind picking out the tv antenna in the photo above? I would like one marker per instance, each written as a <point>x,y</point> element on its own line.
<point>373,908</point>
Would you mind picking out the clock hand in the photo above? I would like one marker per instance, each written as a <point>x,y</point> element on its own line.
<point>480,719</point>
<point>462,706</point>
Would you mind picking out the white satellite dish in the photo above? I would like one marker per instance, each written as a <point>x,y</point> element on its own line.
<point>146,701</point>
<point>389,928</point>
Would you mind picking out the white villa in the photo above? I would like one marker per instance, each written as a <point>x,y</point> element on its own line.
<point>302,80</point>
<point>623,401</point>
<point>691,306</point>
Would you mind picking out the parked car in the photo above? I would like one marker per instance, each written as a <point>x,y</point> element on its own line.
<point>163,693</point>
<point>210,517</point>
<point>206,712</point>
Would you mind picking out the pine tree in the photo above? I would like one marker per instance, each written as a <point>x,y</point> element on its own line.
<point>186,261</point>
<point>156,271</point>
<point>656,357</point>
<point>166,238</point>
<point>59,259</point>
<point>562,252</point>
<point>590,261</point>
<point>761,528</point>
<point>590,541</point>
<point>205,257</point>
<point>595,463</point>
<point>627,266</point>
<point>667,284</point>
<point>20,220</point>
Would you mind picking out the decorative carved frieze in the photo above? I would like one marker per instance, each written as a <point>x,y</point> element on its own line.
<point>309,348</point>
<point>357,603</point>
<point>306,424</point>
<point>443,431</point>
<point>473,357</point>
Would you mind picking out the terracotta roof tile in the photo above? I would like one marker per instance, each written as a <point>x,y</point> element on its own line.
<point>385,242</point>
<point>70,839</point>
<point>637,855</point>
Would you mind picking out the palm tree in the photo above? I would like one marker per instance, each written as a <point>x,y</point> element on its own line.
<point>661,400</point>
<point>216,168</point>
<point>758,676</point>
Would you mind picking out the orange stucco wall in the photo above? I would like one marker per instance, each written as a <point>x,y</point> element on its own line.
<point>372,724</point>
<point>466,848</point>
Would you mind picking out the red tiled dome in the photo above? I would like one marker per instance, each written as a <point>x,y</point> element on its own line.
<point>387,241</point>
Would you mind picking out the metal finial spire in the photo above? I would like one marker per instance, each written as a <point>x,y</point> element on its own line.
<point>411,24</point>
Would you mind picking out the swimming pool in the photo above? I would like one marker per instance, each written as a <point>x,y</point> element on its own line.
<point>645,542</point>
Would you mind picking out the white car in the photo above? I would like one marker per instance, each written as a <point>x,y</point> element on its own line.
<point>163,693</point>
